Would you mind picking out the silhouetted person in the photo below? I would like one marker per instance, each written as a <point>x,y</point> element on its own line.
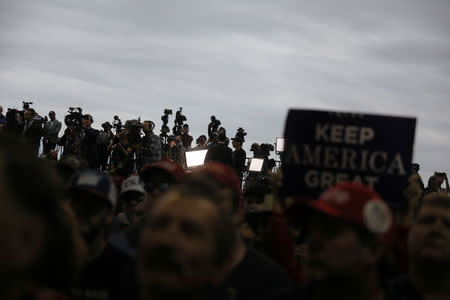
<point>220,152</point>
<point>51,131</point>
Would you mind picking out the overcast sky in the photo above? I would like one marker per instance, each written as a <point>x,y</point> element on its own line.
<point>246,62</point>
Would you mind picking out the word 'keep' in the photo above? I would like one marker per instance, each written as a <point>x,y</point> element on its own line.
<point>343,134</point>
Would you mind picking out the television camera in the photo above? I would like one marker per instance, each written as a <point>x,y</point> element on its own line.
<point>117,124</point>
<point>240,135</point>
<point>74,118</point>
<point>15,118</point>
<point>71,140</point>
<point>179,120</point>
<point>164,128</point>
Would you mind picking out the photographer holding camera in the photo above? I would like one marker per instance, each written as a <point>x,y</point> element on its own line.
<point>435,182</point>
<point>150,150</point>
<point>51,131</point>
<point>121,153</point>
<point>89,137</point>
<point>175,152</point>
<point>33,130</point>
<point>213,126</point>
<point>71,139</point>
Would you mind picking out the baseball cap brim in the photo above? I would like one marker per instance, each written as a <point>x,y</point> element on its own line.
<point>93,192</point>
<point>323,208</point>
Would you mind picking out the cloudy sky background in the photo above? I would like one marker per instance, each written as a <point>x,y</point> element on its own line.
<point>247,62</point>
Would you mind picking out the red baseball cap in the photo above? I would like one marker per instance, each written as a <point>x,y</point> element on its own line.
<point>225,175</point>
<point>174,169</point>
<point>355,203</point>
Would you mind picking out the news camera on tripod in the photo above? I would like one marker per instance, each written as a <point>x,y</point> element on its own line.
<point>165,130</point>
<point>179,120</point>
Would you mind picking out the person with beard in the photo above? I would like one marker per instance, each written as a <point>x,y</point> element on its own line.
<point>185,245</point>
<point>343,245</point>
<point>108,273</point>
<point>429,252</point>
<point>250,274</point>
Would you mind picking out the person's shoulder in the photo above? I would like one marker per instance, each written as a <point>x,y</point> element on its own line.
<point>402,288</point>
<point>257,277</point>
<point>263,267</point>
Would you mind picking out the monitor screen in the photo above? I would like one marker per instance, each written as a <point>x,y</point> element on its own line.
<point>256,164</point>
<point>195,158</point>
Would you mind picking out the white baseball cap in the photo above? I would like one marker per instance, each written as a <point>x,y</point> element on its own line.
<point>132,184</point>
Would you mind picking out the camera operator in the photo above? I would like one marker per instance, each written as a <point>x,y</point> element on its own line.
<point>213,126</point>
<point>150,150</point>
<point>121,156</point>
<point>89,137</point>
<point>220,152</point>
<point>32,129</point>
<point>186,138</point>
<point>239,156</point>
<point>71,139</point>
<point>104,139</point>
<point>51,131</point>
<point>435,182</point>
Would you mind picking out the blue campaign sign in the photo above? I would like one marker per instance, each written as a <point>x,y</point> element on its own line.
<point>324,147</point>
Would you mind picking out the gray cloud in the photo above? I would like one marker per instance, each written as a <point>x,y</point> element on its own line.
<point>247,62</point>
